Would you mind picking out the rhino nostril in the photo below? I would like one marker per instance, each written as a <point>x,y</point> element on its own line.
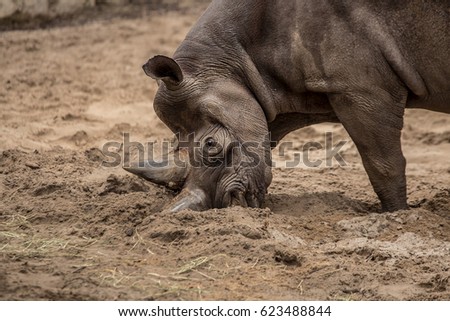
<point>226,200</point>
<point>234,198</point>
<point>253,201</point>
<point>241,198</point>
<point>234,202</point>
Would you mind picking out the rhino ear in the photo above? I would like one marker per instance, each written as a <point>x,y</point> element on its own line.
<point>162,68</point>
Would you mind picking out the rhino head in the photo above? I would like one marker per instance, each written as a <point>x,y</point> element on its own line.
<point>223,152</point>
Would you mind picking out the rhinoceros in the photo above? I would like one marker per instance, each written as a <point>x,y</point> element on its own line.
<point>255,70</point>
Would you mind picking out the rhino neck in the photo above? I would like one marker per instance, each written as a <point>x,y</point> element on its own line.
<point>212,51</point>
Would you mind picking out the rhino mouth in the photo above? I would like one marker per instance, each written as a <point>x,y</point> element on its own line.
<point>244,198</point>
<point>234,198</point>
<point>197,200</point>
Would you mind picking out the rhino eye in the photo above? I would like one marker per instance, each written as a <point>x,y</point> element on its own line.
<point>210,142</point>
<point>211,147</point>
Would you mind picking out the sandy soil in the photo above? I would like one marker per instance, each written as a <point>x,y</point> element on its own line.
<point>73,230</point>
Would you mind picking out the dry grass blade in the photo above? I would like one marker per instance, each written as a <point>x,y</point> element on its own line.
<point>23,245</point>
<point>11,235</point>
<point>171,277</point>
<point>139,240</point>
<point>205,275</point>
<point>114,277</point>
<point>193,264</point>
<point>17,220</point>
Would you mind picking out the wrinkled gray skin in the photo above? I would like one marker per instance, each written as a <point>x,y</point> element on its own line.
<point>250,68</point>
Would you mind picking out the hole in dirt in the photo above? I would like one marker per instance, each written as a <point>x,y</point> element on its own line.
<point>327,202</point>
<point>439,204</point>
<point>48,189</point>
<point>287,257</point>
<point>170,236</point>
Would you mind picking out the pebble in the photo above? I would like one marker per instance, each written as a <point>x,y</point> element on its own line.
<point>129,232</point>
<point>32,165</point>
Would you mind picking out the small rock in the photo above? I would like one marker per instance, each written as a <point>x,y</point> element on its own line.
<point>32,165</point>
<point>288,258</point>
<point>94,154</point>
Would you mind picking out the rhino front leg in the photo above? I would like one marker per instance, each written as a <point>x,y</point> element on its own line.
<point>374,122</point>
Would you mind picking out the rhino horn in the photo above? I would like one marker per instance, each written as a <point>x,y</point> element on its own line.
<point>162,173</point>
<point>192,199</point>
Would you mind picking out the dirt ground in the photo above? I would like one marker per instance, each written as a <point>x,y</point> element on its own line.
<point>71,229</point>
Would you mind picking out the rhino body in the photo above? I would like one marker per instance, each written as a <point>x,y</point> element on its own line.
<point>255,70</point>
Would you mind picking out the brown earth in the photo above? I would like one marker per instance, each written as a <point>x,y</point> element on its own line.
<point>73,230</point>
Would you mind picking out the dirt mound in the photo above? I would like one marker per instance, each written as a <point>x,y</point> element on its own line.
<point>71,229</point>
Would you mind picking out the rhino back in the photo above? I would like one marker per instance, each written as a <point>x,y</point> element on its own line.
<point>327,46</point>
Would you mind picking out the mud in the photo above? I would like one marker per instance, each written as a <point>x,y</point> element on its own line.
<point>71,229</point>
